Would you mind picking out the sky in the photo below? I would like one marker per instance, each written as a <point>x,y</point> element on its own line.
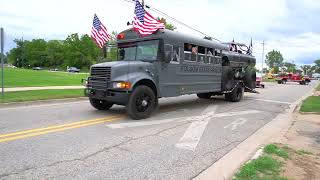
<point>289,26</point>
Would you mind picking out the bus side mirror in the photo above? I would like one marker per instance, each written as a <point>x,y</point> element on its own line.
<point>168,52</point>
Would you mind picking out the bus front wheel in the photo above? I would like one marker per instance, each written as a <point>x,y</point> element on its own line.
<point>141,103</point>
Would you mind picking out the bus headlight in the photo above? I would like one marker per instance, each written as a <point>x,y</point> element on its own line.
<point>122,85</point>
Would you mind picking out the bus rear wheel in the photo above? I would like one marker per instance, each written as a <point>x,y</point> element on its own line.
<point>141,103</point>
<point>236,95</point>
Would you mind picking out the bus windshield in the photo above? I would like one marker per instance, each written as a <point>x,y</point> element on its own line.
<point>139,51</point>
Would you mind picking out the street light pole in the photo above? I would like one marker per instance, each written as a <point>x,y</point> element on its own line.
<point>262,57</point>
<point>2,69</point>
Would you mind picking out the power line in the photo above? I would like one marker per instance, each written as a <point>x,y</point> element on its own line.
<point>174,19</point>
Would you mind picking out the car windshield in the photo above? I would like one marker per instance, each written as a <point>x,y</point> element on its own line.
<point>140,51</point>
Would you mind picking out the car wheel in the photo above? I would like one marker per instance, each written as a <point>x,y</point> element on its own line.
<point>204,95</point>
<point>141,103</point>
<point>236,95</point>
<point>100,104</point>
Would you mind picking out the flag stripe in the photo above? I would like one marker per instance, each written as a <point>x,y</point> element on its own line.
<point>144,22</point>
<point>99,32</point>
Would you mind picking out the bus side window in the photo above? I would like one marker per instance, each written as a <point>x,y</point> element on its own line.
<point>176,55</point>
<point>201,54</point>
<point>187,51</point>
<point>210,55</point>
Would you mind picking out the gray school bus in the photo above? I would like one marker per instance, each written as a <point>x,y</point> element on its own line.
<point>167,64</point>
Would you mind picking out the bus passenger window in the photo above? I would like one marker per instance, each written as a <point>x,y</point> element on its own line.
<point>194,53</point>
<point>176,54</point>
<point>210,56</point>
<point>201,54</point>
<point>187,51</point>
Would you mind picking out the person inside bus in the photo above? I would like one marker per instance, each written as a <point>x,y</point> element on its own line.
<point>194,53</point>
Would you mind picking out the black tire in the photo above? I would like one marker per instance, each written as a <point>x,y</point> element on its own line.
<point>204,95</point>
<point>141,103</point>
<point>250,78</point>
<point>284,81</point>
<point>100,104</point>
<point>279,81</point>
<point>236,95</point>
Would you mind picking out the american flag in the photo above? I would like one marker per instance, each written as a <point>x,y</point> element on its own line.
<point>144,22</point>
<point>99,33</point>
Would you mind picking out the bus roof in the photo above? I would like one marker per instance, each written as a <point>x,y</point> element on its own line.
<point>131,35</point>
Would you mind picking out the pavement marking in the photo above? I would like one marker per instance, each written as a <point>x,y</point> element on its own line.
<point>56,128</point>
<point>193,134</point>
<point>273,101</point>
<point>235,124</point>
<point>178,119</point>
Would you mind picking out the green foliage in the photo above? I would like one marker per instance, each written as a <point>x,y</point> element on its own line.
<point>306,69</point>
<point>290,67</point>
<point>167,25</point>
<point>28,78</point>
<point>21,96</point>
<point>74,51</point>
<point>274,58</point>
<point>273,149</point>
<point>264,167</point>
<point>311,104</point>
<point>316,67</point>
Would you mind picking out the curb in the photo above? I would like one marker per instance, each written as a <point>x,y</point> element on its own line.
<point>225,167</point>
<point>38,102</point>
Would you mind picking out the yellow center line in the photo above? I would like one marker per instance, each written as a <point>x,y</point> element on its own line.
<point>51,129</point>
<point>54,127</point>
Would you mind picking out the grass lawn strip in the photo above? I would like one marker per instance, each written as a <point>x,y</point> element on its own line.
<point>21,96</point>
<point>266,167</point>
<point>32,78</point>
<point>311,104</point>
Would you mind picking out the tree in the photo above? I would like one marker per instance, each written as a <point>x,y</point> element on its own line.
<point>167,25</point>
<point>4,58</point>
<point>289,66</point>
<point>306,69</point>
<point>274,59</point>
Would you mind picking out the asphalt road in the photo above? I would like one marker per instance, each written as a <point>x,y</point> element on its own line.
<point>71,140</point>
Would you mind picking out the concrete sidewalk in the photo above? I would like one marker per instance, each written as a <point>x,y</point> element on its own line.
<point>41,88</point>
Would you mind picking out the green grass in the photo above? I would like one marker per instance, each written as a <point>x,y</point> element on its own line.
<point>264,167</point>
<point>273,149</point>
<point>311,104</point>
<point>268,80</point>
<point>21,96</point>
<point>28,78</point>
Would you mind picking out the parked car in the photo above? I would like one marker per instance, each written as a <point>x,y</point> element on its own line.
<point>55,69</point>
<point>259,81</point>
<point>37,68</point>
<point>73,70</point>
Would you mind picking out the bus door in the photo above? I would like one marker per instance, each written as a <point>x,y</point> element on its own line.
<point>167,71</point>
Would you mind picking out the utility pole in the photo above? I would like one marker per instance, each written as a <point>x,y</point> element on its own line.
<point>2,69</point>
<point>262,57</point>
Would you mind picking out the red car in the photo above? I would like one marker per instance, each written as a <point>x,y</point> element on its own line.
<point>291,77</point>
<point>259,81</point>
